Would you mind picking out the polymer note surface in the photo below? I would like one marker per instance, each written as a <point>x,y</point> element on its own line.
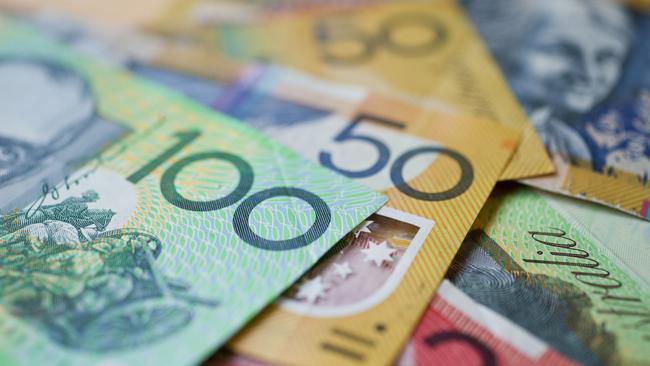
<point>581,70</point>
<point>534,262</point>
<point>171,238</point>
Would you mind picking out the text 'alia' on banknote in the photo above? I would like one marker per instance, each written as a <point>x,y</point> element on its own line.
<point>581,69</point>
<point>360,303</point>
<point>425,50</point>
<point>552,268</point>
<point>161,247</point>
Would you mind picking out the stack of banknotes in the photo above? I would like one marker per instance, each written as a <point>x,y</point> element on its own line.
<point>350,182</point>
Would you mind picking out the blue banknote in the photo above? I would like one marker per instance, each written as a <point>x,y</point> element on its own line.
<point>581,69</point>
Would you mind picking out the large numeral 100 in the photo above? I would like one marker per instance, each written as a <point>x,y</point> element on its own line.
<point>397,168</point>
<point>242,213</point>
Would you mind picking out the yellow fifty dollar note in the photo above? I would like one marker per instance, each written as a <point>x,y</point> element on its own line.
<point>427,50</point>
<point>360,303</point>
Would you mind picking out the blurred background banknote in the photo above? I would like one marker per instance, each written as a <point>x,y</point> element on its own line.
<point>171,230</point>
<point>425,50</point>
<point>581,69</point>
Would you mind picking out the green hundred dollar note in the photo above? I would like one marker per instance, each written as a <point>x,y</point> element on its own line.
<point>565,273</point>
<point>165,244</point>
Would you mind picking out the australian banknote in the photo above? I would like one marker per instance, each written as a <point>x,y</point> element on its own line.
<point>171,238</point>
<point>426,50</point>
<point>556,272</point>
<point>581,70</point>
<point>456,330</point>
<point>142,52</point>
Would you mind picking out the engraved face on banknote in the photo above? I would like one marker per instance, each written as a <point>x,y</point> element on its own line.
<point>580,69</point>
<point>50,125</point>
<point>569,57</point>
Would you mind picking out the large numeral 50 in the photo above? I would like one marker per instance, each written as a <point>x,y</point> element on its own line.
<point>331,33</point>
<point>397,169</point>
<point>242,213</point>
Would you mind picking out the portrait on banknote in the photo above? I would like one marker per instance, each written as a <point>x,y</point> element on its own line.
<point>54,126</point>
<point>579,69</point>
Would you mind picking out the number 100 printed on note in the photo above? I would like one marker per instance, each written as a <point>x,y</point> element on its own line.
<point>170,239</point>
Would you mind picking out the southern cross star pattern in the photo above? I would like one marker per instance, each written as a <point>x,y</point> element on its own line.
<point>311,290</point>
<point>378,253</point>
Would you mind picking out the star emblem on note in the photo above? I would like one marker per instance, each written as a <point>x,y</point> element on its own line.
<point>363,228</point>
<point>312,290</point>
<point>342,270</point>
<point>378,253</point>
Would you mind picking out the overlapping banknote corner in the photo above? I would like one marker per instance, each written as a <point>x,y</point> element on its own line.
<point>161,247</point>
<point>593,120</point>
<point>437,170</point>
